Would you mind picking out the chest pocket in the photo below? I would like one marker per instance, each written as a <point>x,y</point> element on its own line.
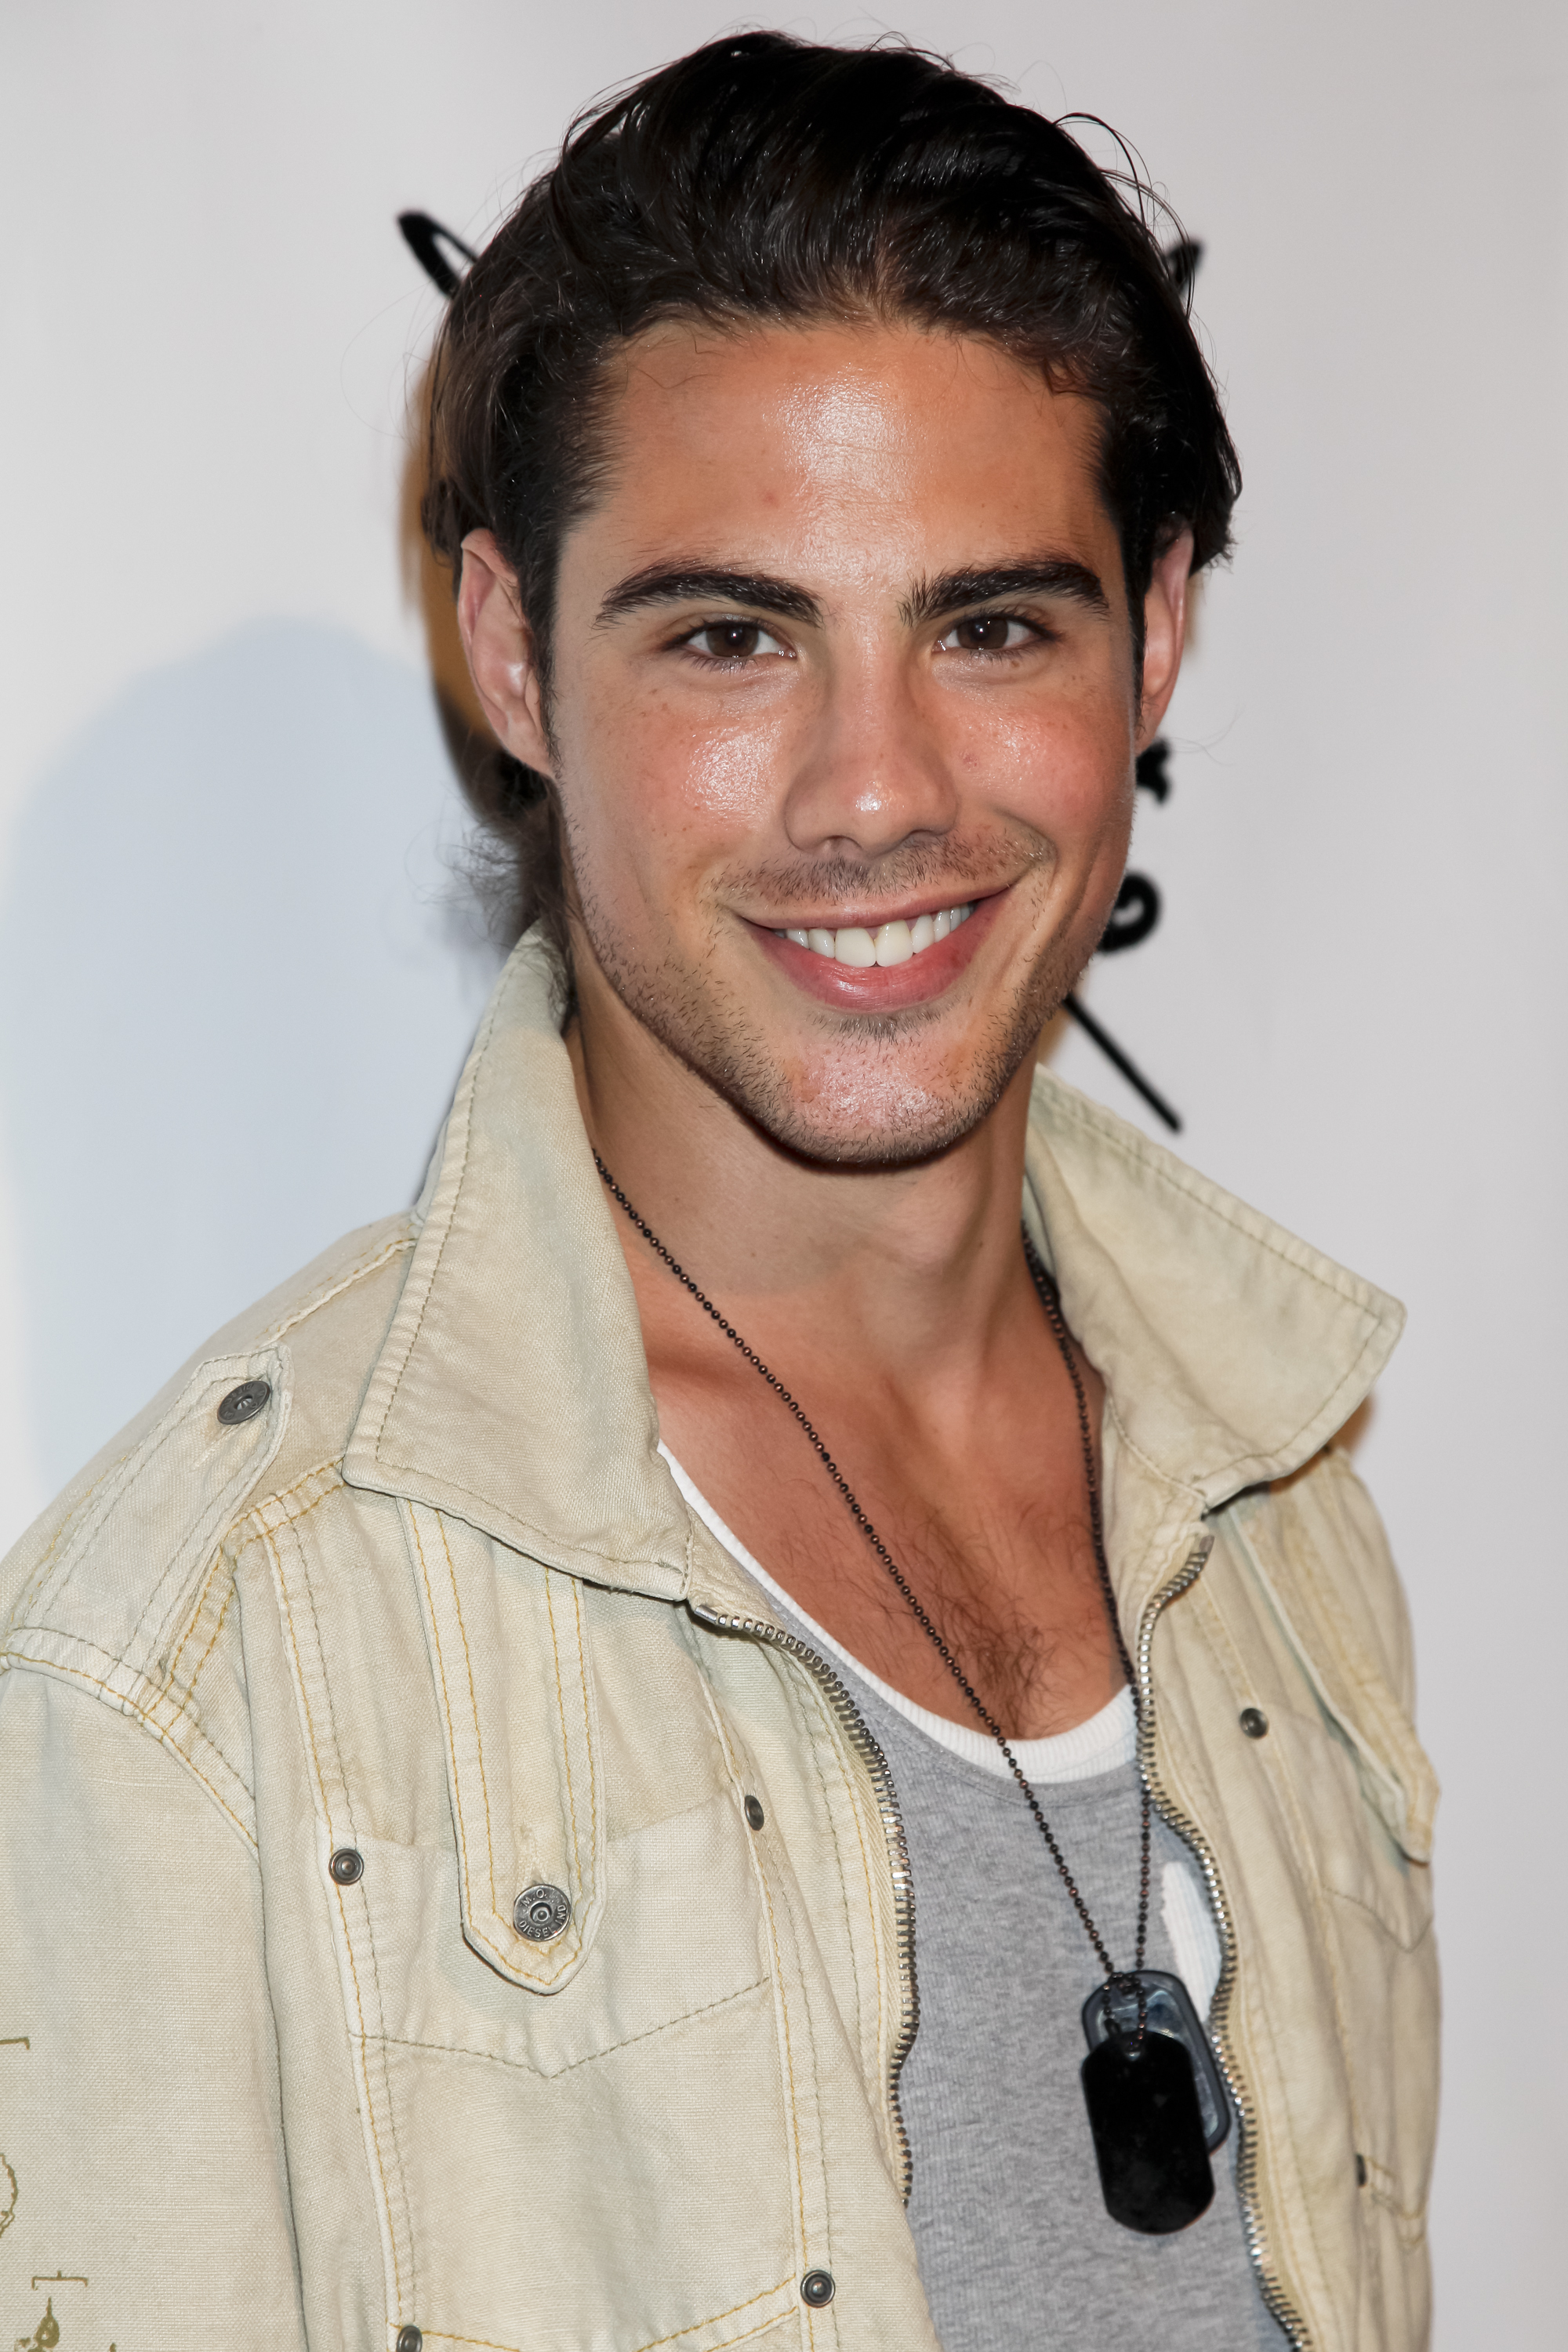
<point>526,2095</point>
<point>601,1859</point>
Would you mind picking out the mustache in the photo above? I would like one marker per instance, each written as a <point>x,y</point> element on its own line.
<point>986,859</point>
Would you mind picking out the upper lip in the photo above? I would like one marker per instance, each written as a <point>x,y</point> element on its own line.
<point>905,911</point>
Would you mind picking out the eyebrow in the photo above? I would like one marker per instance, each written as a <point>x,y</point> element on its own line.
<point>682,583</point>
<point>1056,575</point>
<point>761,592</point>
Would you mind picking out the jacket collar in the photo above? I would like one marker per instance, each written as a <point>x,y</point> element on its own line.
<point>511,1387</point>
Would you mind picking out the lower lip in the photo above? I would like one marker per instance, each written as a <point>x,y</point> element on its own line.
<point>882,988</point>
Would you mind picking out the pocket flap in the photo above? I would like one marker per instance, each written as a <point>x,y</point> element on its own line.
<point>511,1667</point>
<point>1396,1776</point>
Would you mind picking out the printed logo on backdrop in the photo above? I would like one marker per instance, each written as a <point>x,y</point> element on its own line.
<point>444,257</point>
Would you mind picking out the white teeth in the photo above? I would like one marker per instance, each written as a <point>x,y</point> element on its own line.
<point>855,946</point>
<point>892,943</point>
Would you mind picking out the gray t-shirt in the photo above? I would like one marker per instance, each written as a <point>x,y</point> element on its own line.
<point>1016,2246</point>
<point>1016,2250</point>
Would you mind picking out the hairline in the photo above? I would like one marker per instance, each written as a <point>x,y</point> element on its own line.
<point>732,322</point>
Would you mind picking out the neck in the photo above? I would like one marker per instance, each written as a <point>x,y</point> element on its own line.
<point>916,1266</point>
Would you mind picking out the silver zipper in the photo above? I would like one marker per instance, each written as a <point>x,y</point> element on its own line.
<point>1274,2296</point>
<point>881,1779</point>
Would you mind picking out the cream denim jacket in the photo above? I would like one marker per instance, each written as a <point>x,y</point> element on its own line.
<point>297,1704</point>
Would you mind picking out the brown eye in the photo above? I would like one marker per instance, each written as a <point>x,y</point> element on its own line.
<point>988,633</point>
<point>731,640</point>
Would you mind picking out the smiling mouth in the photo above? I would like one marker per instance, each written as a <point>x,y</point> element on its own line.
<point>891,943</point>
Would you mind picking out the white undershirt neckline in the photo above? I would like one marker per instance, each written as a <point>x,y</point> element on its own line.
<point>1103,1743</point>
<point>1107,1742</point>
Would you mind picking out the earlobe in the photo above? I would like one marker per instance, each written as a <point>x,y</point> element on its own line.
<point>500,647</point>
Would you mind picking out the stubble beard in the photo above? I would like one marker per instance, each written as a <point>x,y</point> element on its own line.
<point>863,1113</point>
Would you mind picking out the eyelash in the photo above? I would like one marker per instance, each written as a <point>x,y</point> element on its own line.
<point>687,641</point>
<point>1039,633</point>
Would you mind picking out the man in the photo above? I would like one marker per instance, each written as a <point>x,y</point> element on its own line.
<point>572,1783</point>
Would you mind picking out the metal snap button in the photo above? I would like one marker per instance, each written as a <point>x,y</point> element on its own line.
<point>244,1402</point>
<point>409,2340</point>
<point>754,1812</point>
<point>347,1865</point>
<point>816,2287</point>
<point>540,1913</point>
<point>1253,1722</point>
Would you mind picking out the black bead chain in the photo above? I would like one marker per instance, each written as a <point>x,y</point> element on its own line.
<point>1116,1980</point>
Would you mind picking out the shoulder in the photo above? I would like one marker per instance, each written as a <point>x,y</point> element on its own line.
<point>121,1588</point>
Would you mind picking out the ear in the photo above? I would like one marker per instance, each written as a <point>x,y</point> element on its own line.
<point>500,645</point>
<point>1164,633</point>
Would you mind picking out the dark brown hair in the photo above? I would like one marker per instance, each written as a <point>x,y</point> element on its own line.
<point>764,178</point>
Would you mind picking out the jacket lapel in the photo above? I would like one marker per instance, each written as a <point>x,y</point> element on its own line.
<point>511,1388</point>
<point>1231,1351</point>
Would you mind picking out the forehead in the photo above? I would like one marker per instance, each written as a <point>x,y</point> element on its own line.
<point>876,447</point>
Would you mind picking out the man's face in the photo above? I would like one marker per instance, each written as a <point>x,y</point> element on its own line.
<point>842,717</point>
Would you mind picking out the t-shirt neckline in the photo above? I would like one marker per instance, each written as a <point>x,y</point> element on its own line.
<point>1104,1742</point>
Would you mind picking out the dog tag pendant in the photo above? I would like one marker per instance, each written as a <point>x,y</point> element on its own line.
<point>1167,2009</point>
<point>1147,2129</point>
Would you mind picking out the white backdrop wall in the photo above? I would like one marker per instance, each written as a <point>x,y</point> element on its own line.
<point>237,968</point>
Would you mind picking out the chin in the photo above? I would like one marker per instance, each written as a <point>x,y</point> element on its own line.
<point>889,1101</point>
<point>882,1125</point>
<point>889,1097</point>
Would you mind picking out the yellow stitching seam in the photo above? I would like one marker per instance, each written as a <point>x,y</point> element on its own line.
<point>369,1929</point>
<point>780,1996</point>
<point>504,1957</point>
<point>789,2054</point>
<point>1307,1875</point>
<point>826,1725</point>
<point>560,1712</point>
<point>348,1941</point>
<point>593,2057</point>
<point>446,1705</point>
<point>315,1301</point>
<point>488,2344</point>
<point>142,1715</point>
<point>512,1963</point>
<point>289,1519</point>
<point>587,1730</point>
<point>712,2321</point>
<point>235,1487</point>
<point>196,1614</point>
<point>218,1629</point>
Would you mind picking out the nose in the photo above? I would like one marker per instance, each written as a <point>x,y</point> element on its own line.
<point>870,774</point>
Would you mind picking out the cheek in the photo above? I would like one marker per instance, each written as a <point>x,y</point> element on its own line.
<point>1063,768</point>
<point>655,796</point>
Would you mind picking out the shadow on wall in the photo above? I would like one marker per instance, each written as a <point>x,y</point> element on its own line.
<point>240,967</point>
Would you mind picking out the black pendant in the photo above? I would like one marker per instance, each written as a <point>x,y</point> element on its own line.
<point>1148,2133</point>
<point>1167,2009</point>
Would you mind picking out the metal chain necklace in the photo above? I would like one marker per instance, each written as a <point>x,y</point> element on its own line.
<point>1150,2139</point>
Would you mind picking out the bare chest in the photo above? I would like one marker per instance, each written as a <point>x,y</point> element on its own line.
<point>991,1536</point>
